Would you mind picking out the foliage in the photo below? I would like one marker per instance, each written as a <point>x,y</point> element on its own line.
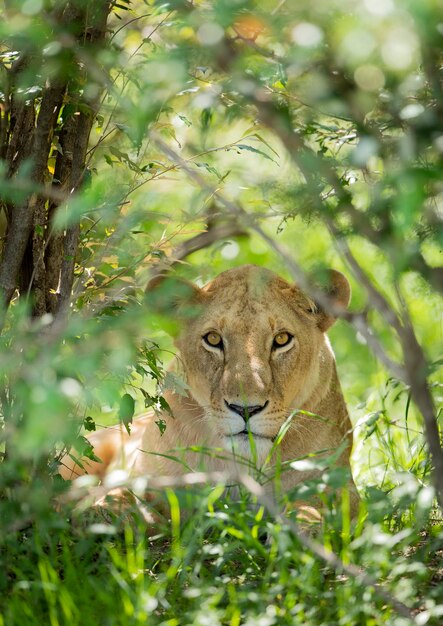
<point>259,128</point>
<point>228,563</point>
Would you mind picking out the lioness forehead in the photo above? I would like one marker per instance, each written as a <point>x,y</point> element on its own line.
<point>248,280</point>
<point>250,285</point>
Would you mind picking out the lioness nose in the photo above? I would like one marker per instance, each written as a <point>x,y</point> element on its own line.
<point>246,411</point>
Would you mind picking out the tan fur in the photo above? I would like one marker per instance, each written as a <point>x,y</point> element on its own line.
<point>247,306</point>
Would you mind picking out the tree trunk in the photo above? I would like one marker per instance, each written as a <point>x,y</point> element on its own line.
<point>51,119</point>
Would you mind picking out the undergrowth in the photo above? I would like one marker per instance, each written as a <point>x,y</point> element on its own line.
<point>225,559</point>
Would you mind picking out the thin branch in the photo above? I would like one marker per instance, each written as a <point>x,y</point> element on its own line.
<point>214,233</point>
<point>378,301</point>
<point>131,21</point>
<point>110,87</point>
<point>358,320</point>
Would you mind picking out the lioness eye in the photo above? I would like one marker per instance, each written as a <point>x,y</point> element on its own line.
<point>213,339</point>
<point>281,339</point>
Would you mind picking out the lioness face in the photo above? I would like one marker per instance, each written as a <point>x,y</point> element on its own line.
<point>252,355</point>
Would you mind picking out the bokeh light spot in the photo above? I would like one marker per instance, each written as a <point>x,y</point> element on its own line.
<point>369,77</point>
<point>210,34</point>
<point>307,34</point>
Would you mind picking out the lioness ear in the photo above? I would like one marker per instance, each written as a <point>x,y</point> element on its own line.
<point>171,294</point>
<point>337,288</point>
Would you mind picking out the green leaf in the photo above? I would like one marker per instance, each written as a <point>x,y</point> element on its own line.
<point>243,146</point>
<point>161,425</point>
<point>175,383</point>
<point>371,423</point>
<point>85,449</point>
<point>249,133</point>
<point>124,128</point>
<point>149,400</point>
<point>185,120</point>
<point>89,424</point>
<point>210,169</point>
<point>164,405</point>
<point>126,411</point>
<point>206,118</point>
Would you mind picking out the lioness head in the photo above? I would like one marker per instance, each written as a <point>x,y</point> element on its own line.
<point>254,351</point>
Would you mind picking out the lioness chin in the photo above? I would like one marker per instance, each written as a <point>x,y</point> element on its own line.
<point>261,384</point>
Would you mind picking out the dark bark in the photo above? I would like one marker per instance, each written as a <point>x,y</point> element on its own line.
<point>35,259</point>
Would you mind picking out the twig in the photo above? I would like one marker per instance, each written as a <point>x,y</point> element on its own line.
<point>378,301</point>
<point>358,320</point>
<point>131,21</point>
<point>198,242</point>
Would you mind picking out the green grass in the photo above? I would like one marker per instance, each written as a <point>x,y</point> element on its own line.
<point>227,561</point>
<point>215,572</point>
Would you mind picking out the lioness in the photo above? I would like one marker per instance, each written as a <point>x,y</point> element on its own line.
<point>254,355</point>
